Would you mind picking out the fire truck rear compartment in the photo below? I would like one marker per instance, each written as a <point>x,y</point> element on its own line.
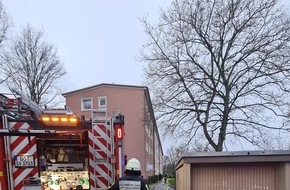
<point>63,161</point>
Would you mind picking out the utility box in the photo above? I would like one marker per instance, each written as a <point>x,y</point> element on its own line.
<point>234,170</point>
<point>32,184</point>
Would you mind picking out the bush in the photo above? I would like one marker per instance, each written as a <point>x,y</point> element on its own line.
<point>171,182</point>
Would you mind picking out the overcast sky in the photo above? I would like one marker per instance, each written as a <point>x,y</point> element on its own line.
<point>98,41</point>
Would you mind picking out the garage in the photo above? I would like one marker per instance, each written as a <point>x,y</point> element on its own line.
<point>234,171</point>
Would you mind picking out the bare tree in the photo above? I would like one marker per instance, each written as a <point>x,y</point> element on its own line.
<point>5,24</point>
<point>173,154</point>
<point>220,68</point>
<point>36,66</point>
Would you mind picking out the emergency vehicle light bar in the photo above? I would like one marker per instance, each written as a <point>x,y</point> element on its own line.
<point>60,120</point>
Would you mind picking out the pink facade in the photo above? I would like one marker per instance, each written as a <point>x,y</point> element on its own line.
<point>141,135</point>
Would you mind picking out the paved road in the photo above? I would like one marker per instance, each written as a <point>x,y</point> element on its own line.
<point>160,186</point>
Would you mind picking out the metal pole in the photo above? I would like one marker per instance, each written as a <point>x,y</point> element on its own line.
<point>120,161</point>
<point>8,154</point>
<point>112,129</point>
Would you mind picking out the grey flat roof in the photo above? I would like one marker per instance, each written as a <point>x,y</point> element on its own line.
<point>234,157</point>
<point>236,153</point>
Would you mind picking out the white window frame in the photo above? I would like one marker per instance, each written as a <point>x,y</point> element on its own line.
<point>82,103</point>
<point>100,98</point>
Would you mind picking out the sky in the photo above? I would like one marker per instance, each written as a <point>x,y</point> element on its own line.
<point>98,41</point>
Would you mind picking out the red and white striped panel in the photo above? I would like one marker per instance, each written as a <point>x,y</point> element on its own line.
<point>22,145</point>
<point>100,156</point>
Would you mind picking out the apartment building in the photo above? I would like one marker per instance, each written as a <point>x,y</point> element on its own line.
<point>142,139</point>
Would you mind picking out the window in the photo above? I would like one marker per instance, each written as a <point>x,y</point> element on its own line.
<point>87,104</point>
<point>102,102</point>
<point>149,166</point>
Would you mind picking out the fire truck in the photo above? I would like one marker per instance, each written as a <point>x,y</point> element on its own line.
<point>52,149</point>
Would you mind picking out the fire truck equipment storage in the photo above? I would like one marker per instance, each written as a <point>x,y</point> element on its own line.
<point>57,147</point>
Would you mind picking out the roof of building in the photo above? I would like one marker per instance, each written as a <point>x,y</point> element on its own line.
<point>236,153</point>
<point>104,84</point>
<point>234,157</point>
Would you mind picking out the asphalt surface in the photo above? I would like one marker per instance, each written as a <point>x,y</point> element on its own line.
<point>160,186</point>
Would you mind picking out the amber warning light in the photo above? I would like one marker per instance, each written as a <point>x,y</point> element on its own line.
<point>60,120</point>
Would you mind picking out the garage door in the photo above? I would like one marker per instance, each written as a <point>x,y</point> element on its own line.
<point>234,177</point>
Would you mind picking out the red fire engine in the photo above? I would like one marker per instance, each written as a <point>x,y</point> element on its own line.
<point>54,150</point>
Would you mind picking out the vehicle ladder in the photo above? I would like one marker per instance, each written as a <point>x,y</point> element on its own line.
<point>102,136</point>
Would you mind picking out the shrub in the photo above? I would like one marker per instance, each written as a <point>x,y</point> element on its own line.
<point>171,182</point>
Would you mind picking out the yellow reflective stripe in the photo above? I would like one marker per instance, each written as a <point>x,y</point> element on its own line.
<point>147,187</point>
<point>111,186</point>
